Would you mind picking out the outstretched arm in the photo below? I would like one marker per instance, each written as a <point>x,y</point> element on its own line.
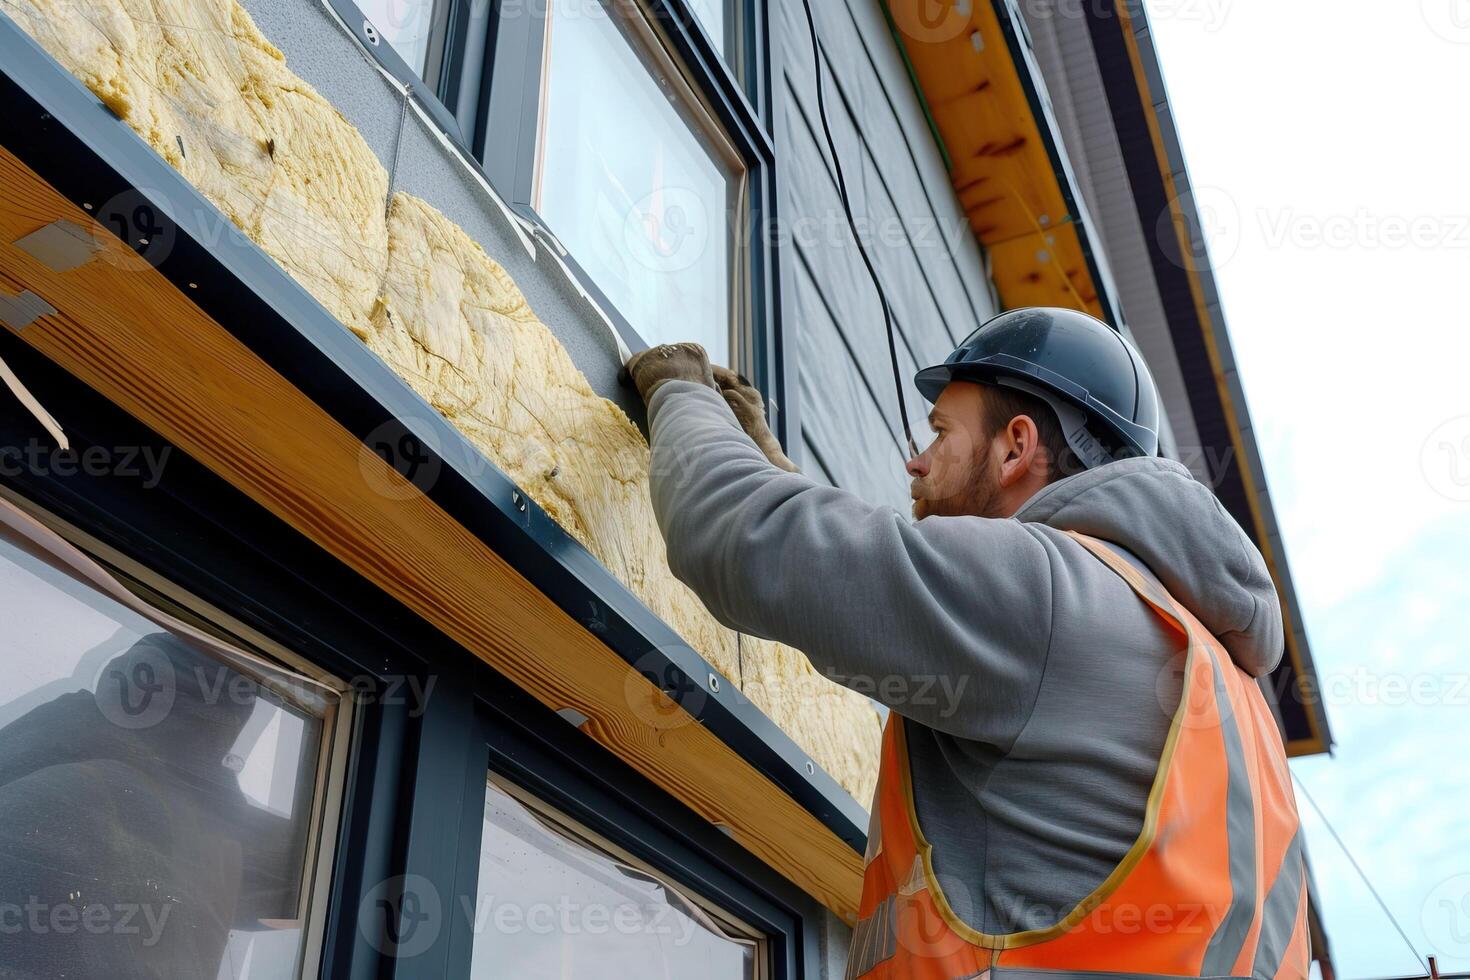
<point>946,620</point>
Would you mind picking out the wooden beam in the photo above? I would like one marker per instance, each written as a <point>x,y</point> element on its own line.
<point>126,331</point>
<point>1001,168</point>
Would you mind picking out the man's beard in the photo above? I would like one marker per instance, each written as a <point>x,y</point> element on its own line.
<point>976,493</point>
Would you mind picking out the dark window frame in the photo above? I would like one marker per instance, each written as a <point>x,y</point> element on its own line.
<point>489,75</point>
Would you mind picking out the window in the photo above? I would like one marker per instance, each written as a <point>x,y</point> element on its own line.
<point>556,901</point>
<point>160,792</point>
<point>636,179</point>
<point>629,130</point>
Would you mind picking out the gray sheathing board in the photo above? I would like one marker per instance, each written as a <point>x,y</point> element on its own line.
<point>319,51</point>
<point>926,255</point>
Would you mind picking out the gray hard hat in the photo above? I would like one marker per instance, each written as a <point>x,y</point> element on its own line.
<point>1091,376</point>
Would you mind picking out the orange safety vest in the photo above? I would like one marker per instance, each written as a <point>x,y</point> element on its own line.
<point>1214,886</point>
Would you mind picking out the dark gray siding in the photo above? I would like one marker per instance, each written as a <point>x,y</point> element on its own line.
<point>927,259</point>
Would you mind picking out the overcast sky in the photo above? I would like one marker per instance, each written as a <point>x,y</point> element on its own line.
<point>1331,149</point>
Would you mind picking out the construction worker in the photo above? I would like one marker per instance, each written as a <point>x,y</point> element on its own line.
<point>1079,773</point>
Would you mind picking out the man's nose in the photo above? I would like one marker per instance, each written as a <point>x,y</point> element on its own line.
<point>918,467</point>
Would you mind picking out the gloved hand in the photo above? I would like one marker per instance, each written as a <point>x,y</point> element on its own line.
<point>750,409</point>
<point>669,362</point>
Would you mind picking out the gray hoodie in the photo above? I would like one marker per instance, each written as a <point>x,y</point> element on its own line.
<point>1037,686</point>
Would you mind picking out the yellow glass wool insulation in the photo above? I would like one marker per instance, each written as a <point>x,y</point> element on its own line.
<point>199,82</point>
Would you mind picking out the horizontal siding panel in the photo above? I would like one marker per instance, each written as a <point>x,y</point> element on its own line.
<point>841,422</point>
<point>945,282</point>
<point>834,269</point>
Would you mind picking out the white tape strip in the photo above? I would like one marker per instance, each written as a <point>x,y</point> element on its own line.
<point>34,407</point>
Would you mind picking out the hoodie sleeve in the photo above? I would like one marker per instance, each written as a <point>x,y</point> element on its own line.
<point>944,620</point>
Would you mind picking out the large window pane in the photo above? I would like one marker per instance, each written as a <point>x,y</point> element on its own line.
<point>635,178</point>
<point>156,801</point>
<point>553,903</point>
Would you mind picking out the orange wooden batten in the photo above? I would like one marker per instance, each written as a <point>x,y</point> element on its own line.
<point>999,162</point>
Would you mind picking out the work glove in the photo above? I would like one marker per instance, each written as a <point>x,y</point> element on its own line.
<point>689,362</point>
<point>669,362</point>
<point>750,410</point>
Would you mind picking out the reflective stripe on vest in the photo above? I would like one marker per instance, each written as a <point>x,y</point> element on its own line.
<point>1214,886</point>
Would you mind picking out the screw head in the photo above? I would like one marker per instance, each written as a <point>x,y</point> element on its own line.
<point>519,501</point>
<point>811,769</point>
<point>714,683</point>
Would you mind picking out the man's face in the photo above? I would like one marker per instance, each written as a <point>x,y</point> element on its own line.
<point>958,474</point>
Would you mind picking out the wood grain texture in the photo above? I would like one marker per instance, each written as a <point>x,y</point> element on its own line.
<point>127,332</point>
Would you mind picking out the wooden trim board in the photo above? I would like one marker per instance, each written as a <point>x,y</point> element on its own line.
<point>1000,165</point>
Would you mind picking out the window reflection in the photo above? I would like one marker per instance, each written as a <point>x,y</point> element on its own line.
<point>553,904</point>
<point>636,179</point>
<point>155,802</point>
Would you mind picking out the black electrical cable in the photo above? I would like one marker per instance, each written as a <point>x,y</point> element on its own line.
<point>903,413</point>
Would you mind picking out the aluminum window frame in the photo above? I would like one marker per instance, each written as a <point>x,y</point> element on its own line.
<point>578,833</point>
<point>329,782</point>
<point>544,756</point>
<point>512,103</point>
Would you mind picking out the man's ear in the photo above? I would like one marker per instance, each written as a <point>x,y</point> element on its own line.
<point>1022,445</point>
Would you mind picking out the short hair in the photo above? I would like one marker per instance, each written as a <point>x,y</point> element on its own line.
<point>1001,404</point>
